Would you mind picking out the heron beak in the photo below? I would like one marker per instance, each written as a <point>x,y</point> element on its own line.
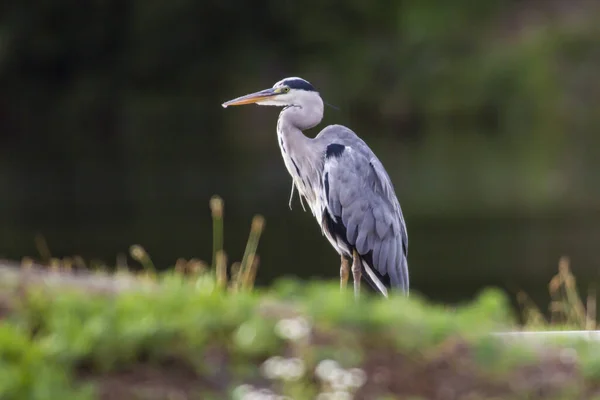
<point>252,98</point>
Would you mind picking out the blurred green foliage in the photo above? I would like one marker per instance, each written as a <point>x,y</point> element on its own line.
<point>27,373</point>
<point>60,342</point>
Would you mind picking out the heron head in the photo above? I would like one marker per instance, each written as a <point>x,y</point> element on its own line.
<point>286,92</point>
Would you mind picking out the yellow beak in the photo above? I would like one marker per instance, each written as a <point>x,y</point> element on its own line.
<point>251,98</point>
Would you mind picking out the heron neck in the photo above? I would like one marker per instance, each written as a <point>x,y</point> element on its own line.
<point>291,138</point>
<point>298,151</point>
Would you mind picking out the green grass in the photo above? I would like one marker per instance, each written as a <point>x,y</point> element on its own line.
<point>55,334</point>
<point>202,330</point>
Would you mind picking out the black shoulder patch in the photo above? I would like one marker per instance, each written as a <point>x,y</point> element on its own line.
<point>334,150</point>
<point>299,84</point>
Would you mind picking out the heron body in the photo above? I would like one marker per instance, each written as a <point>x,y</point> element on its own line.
<point>344,184</point>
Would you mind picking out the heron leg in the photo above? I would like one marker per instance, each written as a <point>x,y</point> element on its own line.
<point>344,272</point>
<point>356,274</point>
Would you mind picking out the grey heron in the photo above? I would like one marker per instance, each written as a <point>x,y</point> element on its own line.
<point>345,185</point>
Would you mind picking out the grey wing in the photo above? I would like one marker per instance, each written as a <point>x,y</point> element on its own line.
<point>361,211</point>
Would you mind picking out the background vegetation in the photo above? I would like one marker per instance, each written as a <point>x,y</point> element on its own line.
<point>484,113</point>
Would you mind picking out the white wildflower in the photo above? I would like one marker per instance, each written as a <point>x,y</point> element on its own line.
<point>341,395</point>
<point>253,395</point>
<point>292,369</point>
<point>281,368</point>
<point>358,377</point>
<point>293,329</point>
<point>325,369</point>
<point>240,391</point>
<point>338,379</point>
<point>266,394</point>
<point>271,368</point>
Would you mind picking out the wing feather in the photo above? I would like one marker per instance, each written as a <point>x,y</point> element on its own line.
<point>360,195</point>
<point>375,254</point>
<point>365,232</point>
<point>392,260</point>
<point>362,198</point>
<point>383,257</point>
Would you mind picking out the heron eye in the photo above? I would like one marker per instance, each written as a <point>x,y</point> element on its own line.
<point>285,89</point>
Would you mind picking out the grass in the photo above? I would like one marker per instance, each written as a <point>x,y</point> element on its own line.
<point>202,331</point>
<point>567,309</point>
